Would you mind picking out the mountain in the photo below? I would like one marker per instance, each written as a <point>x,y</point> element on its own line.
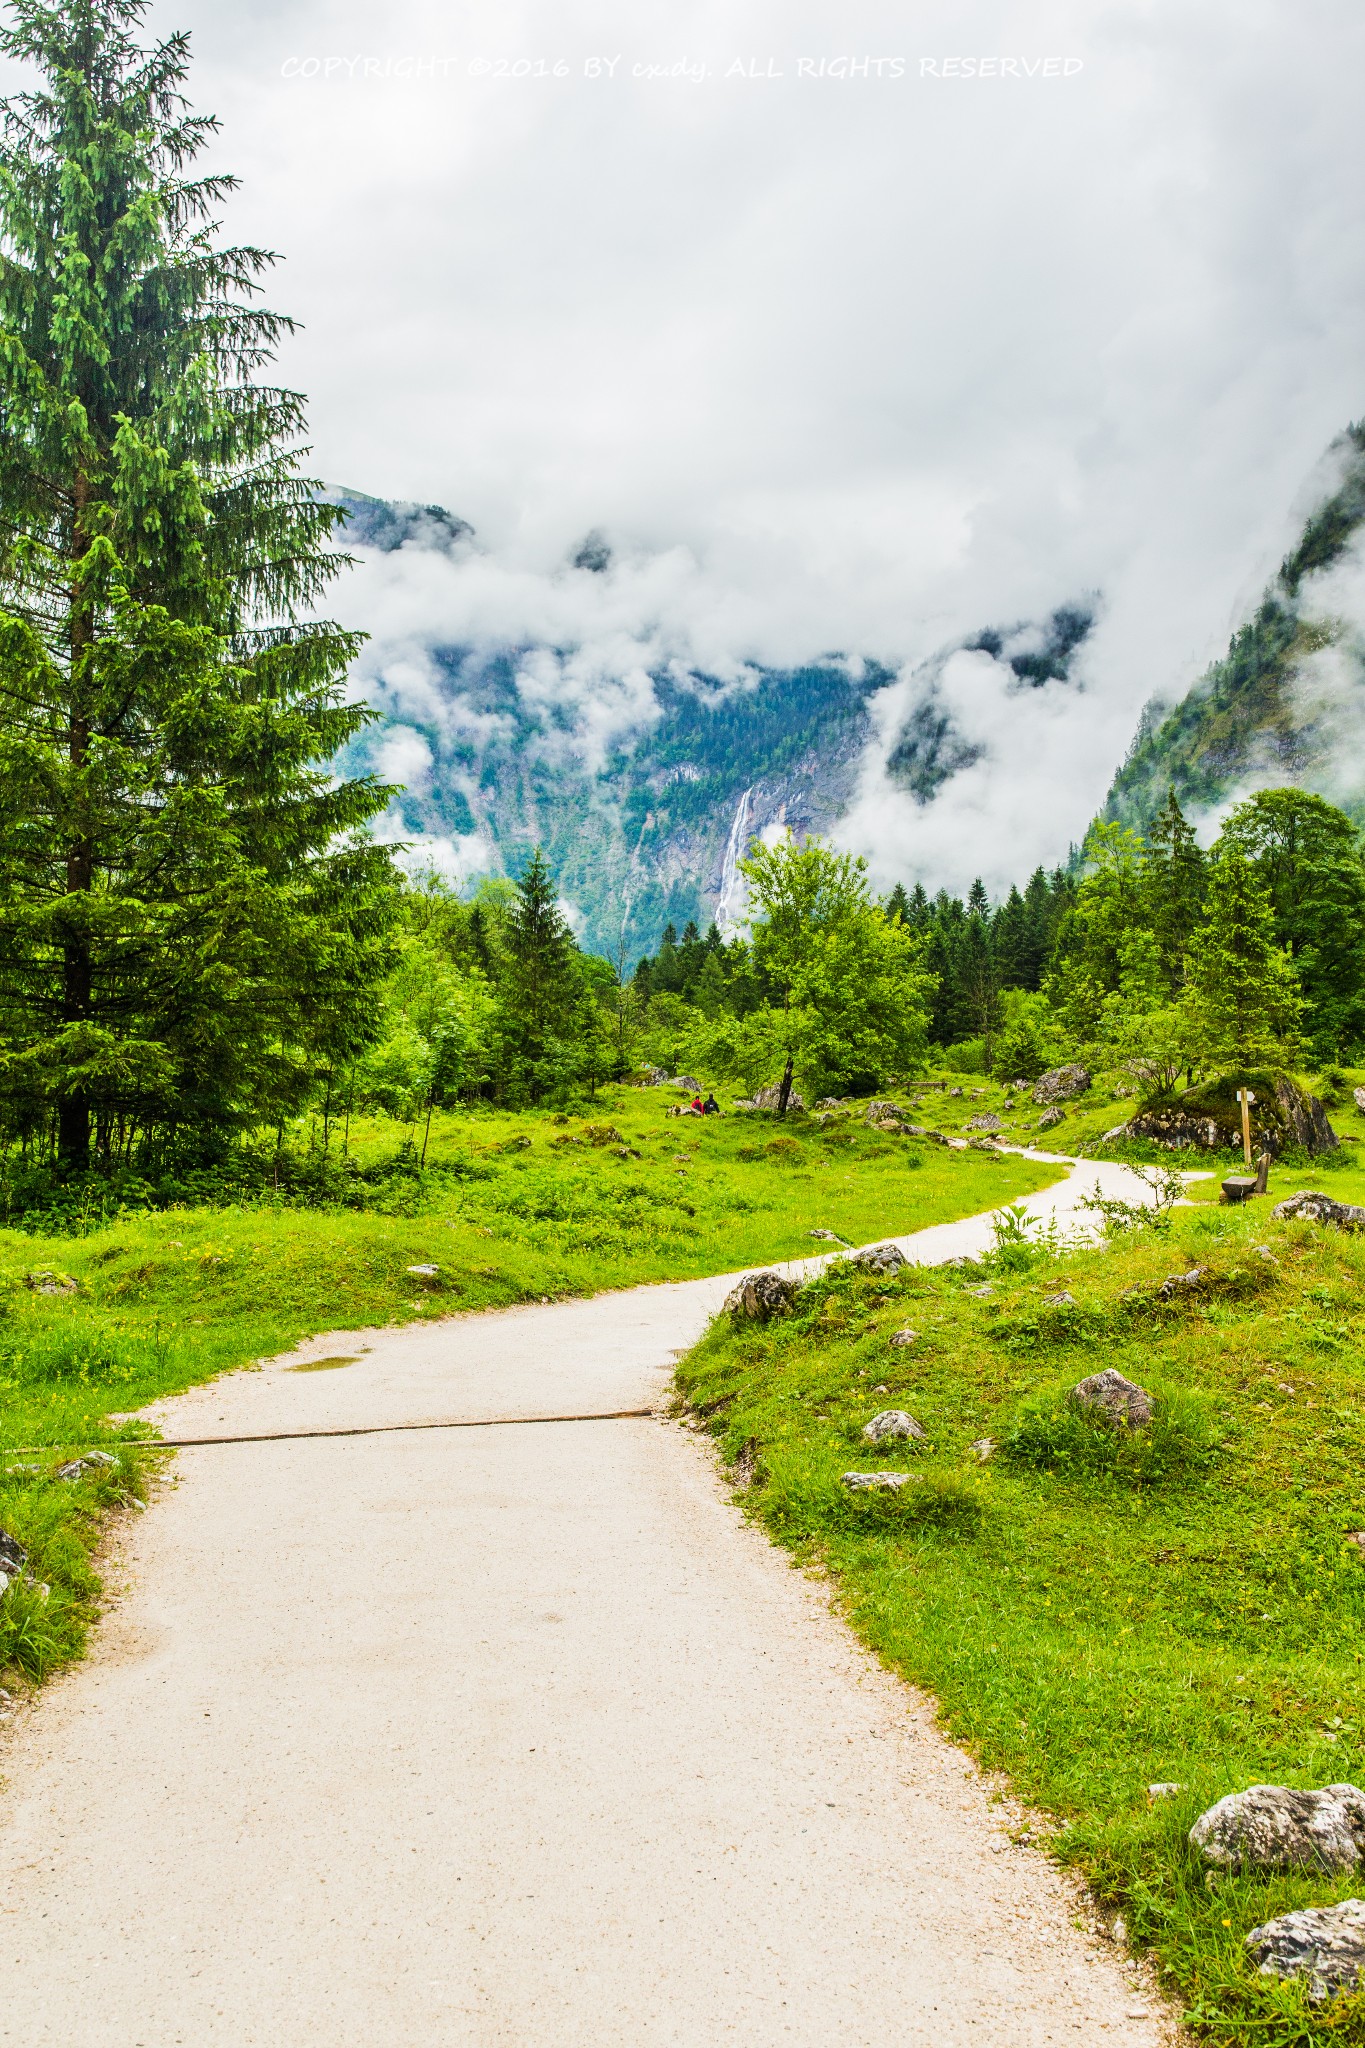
<point>642,769</point>
<point>1286,703</point>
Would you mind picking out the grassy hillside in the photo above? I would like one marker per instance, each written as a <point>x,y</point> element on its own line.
<point>1098,1615</point>
<point>511,1208</point>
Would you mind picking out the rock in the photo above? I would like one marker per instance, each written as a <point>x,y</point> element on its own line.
<point>1117,1131</point>
<point>1121,1400</point>
<point>1289,1117</point>
<point>1304,1116</point>
<point>920,1131</point>
<point>829,1236</point>
<point>1059,1084</point>
<point>1061,1299</point>
<point>988,1121</point>
<point>1177,1284</point>
<point>876,1111</point>
<point>981,1293</point>
<point>766,1098</point>
<point>876,1482</point>
<point>984,1447</point>
<point>1358,1097</point>
<point>13,1558</point>
<point>761,1295</point>
<point>1356,1536</point>
<point>954,1091</point>
<point>603,1134</point>
<point>424,1272</point>
<point>1273,1827</point>
<point>1325,1944</point>
<point>6,1703</point>
<point>1166,1789</point>
<point>90,1461</point>
<point>900,1338</point>
<point>892,1422</point>
<point>50,1283</point>
<point>1316,1208</point>
<point>686,1081</point>
<point>626,1152</point>
<point>1180,1130</point>
<point>881,1258</point>
<point>1050,1118</point>
<point>892,1124</point>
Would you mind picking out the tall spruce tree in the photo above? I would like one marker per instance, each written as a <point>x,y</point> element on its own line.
<point>1307,854</point>
<point>540,986</point>
<point>1174,887</point>
<point>1241,991</point>
<point>189,918</point>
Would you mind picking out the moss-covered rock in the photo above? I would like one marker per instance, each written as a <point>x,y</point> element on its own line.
<point>1209,1118</point>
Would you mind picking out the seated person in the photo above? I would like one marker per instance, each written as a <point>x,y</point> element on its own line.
<point>710,1107</point>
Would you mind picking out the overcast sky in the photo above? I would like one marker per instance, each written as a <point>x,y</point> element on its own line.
<point>1070,298</point>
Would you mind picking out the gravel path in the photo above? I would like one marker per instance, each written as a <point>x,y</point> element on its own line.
<point>509,1736</point>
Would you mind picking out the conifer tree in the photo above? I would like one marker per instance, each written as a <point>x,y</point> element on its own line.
<point>540,985</point>
<point>188,919</point>
<point>1307,855</point>
<point>1241,989</point>
<point>1174,888</point>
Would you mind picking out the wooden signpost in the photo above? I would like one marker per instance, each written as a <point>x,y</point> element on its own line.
<point>1246,1098</point>
<point>1239,1187</point>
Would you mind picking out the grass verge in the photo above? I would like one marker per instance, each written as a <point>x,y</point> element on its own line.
<point>1097,1615</point>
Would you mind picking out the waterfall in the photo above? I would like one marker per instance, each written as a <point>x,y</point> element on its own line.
<point>730,901</point>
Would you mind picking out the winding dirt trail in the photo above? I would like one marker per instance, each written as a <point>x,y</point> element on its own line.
<point>508,1736</point>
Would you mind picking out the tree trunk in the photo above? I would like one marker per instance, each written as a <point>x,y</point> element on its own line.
<point>784,1092</point>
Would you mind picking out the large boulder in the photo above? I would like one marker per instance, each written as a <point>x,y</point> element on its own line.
<point>881,1258</point>
<point>1358,1097</point>
<point>1125,1404</point>
<point>1181,1130</point>
<point>877,1111</point>
<point>1274,1827</point>
<point>1325,1944</point>
<point>1059,1084</point>
<point>767,1098</point>
<point>1209,1118</point>
<point>876,1482</point>
<point>987,1121</point>
<point>758,1296</point>
<point>892,1422</point>
<point>1318,1208</point>
<point>1304,1116</point>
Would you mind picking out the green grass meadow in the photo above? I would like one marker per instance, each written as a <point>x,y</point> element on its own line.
<point>1097,1613</point>
<point>510,1208</point>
